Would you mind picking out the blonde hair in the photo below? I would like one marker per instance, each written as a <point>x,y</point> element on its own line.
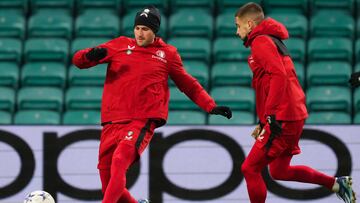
<point>251,10</point>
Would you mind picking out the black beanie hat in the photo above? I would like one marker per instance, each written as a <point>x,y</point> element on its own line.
<point>149,17</point>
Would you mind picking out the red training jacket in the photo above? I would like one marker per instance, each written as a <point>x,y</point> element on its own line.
<point>136,84</point>
<point>277,88</point>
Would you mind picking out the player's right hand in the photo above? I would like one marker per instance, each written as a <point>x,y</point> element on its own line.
<point>96,54</point>
<point>355,79</point>
<point>255,134</point>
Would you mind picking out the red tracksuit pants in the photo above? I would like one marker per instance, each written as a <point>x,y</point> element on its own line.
<point>121,144</point>
<point>278,157</point>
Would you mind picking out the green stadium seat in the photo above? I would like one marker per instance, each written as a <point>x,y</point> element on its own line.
<point>137,5</point>
<point>5,118</point>
<point>94,76</point>
<point>103,24</point>
<point>331,5</point>
<point>12,24</point>
<point>191,48</point>
<point>356,101</point>
<point>239,118</point>
<point>40,98</point>
<point>83,98</point>
<point>14,5</point>
<point>199,70</point>
<point>357,118</point>
<point>81,118</point>
<point>179,101</point>
<point>224,25</point>
<point>49,23</point>
<point>37,117</point>
<point>357,49</point>
<point>10,50</point>
<point>7,99</point>
<point>82,43</point>
<point>300,72</point>
<point>191,23</point>
<point>231,6</point>
<point>66,5</point>
<point>231,74</point>
<point>43,74</point>
<point>338,24</point>
<point>46,49</point>
<point>235,97</point>
<point>186,117</point>
<point>206,5</point>
<point>128,25</point>
<point>9,74</point>
<point>329,98</point>
<point>296,48</point>
<point>328,73</point>
<point>330,49</point>
<point>328,118</point>
<point>357,68</point>
<point>286,6</point>
<point>113,5</point>
<point>296,24</point>
<point>229,49</point>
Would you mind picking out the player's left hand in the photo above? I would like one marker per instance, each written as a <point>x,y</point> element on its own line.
<point>275,126</point>
<point>222,110</point>
<point>256,132</point>
<point>355,79</point>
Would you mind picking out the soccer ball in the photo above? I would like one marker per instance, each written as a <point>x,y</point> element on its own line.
<point>39,197</point>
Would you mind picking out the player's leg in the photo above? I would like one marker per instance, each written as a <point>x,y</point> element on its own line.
<point>254,163</point>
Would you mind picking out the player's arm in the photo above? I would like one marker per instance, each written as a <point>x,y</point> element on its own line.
<point>192,88</point>
<point>355,79</point>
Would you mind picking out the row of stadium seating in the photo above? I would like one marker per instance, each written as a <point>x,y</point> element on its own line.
<point>171,6</point>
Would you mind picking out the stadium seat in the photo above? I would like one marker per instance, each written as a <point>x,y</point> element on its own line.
<point>46,49</point>
<point>37,117</point>
<point>238,118</point>
<point>357,68</point>
<point>328,118</point>
<point>81,118</point>
<point>65,5</point>
<point>296,24</point>
<point>356,101</point>
<point>5,118</point>
<point>82,43</point>
<point>113,5</point>
<point>83,98</point>
<point>12,24</point>
<point>198,70</point>
<point>357,118</point>
<point>224,25</point>
<point>300,72</point>
<point>357,49</point>
<point>186,117</point>
<point>9,74</point>
<point>191,23</point>
<point>235,97</point>
<point>14,5</point>
<point>285,6</point>
<point>10,50</point>
<point>192,48</point>
<point>7,99</point>
<point>338,24</point>
<point>328,73</point>
<point>179,101</point>
<point>329,98</point>
<point>229,49</point>
<point>231,74</point>
<point>43,74</point>
<point>332,5</point>
<point>231,6</point>
<point>206,5</point>
<point>128,25</point>
<point>94,76</point>
<point>330,49</point>
<point>103,24</point>
<point>136,5</point>
<point>296,48</point>
<point>49,23</point>
<point>40,98</point>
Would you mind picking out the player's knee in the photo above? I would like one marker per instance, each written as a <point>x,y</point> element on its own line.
<point>245,169</point>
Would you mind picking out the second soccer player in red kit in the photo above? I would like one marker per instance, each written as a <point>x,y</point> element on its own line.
<point>136,97</point>
<point>280,104</point>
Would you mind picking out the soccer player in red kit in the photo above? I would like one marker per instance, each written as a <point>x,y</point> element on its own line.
<point>136,97</point>
<point>280,106</point>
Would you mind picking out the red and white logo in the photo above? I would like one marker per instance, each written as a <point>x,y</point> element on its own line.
<point>160,53</point>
